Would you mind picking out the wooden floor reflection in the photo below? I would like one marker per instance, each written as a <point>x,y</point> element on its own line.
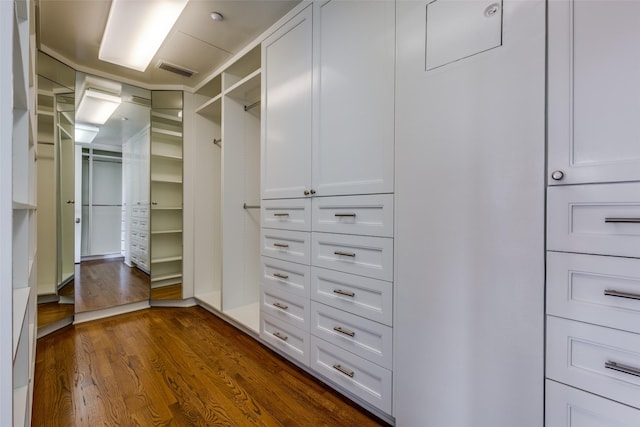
<point>51,312</point>
<point>108,283</point>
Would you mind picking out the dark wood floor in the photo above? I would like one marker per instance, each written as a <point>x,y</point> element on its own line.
<point>167,292</point>
<point>108,283</point>
<point>176,367</point>
<point>52,312</point>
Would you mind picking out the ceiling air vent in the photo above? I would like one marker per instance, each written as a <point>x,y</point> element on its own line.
<point>163,65</point>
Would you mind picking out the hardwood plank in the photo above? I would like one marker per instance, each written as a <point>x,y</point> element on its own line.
<point>108,283</point>
<point>176,367</point>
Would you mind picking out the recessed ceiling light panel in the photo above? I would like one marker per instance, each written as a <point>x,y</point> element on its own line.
<point>217,16</point>
<point>135,31</point>
<point>96,107</point>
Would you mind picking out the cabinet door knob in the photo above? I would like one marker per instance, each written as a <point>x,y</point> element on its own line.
<point>557,175</point>
<point>306,192</point>
<point>313,191</point>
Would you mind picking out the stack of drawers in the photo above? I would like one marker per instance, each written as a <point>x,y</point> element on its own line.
<point>327,290</point>
<point>593,305</point>
<point>139,240</point>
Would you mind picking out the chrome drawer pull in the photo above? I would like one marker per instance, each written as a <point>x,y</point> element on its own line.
<point>282,306</point>
<point>345,293</point>
<point>623,220</point>
<point>612,293</point>
<point>344,331</point>
<point>351,254</point>
<point>280,245</point>
<point>280,276</point>
<point>343,370</point>
<point>353,215</point>
<point>622,368</point>
<point>282,337</point>
<point>280,214</point>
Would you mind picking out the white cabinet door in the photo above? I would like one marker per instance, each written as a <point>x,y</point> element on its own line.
<point>353,146</point>
<point>286,110</point>
<point>594,87</point>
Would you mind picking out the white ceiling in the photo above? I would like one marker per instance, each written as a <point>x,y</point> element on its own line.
<point>71,30</point>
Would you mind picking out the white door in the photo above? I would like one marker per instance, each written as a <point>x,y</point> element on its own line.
<point>354,48</point>
<point>286,114</point>
<point>594,131</point>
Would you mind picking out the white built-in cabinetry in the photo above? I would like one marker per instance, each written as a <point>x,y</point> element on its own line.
<point>18,141</point>
<point>327,195</point>
<point>228,194</point>
<point>135,164</point>
<point>166,189</point>
<point>593,260</point>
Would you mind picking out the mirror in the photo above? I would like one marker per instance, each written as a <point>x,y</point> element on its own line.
<point>112,186</point>
<point>55,262</point>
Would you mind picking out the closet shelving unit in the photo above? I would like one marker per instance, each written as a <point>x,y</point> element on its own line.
<point>229,124</point>
<point>18,135</point>
<point>166,190</point>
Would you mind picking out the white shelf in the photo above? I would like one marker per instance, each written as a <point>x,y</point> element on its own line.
<point>212,108</point>
<point>20,304</point>
<point>23,206</point>
<point>166,208</point>
<point>166,259</point>
<point>247,315</point>
<point>167,232</point>
<point>166,277</point>
<point>166,132</point>
<point>247,88</point>
<point>20,398</point>
<point>176,180</point>
<point>169,117</point>
<point>167,156</point>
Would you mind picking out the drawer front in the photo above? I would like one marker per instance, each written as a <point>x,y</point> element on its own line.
<point>599,219</point>
<point>595,289</point>
<point>364,215</point>
<point>287,214</point>
<point>569,407</point>
<point>286,245</point>
<point>285,337</point>
<point>600,360</point>
<point>370,298</point>
<point>363,337</point>
<point>286,276</point>
<point>143,223</point>
<point>368,381</point>
<point>142,235</point>
<point>365,256</point>
<point>284,306</point>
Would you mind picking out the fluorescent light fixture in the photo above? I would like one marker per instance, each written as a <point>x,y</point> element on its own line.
<point>85,133</point>
<point>96,107</point>
<point>136,29</point>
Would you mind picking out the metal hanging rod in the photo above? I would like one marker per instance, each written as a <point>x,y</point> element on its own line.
<point>217,142</point>
<point>246,206</point>
<point>249,107</point>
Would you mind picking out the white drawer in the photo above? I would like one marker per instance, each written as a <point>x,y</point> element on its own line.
<point>287,214</point>
<point>370,298</point>
<point>285,306</point>
<point>366,215</point>
<point>365,256</point>
<point>363,337</point>
<point>368,381</point>
<point>287,276</point>
<point>590,357</point>
<point>135,223</point>
<point>287,245</point>
<point>569,407</point>
<point>285,337</point>
<point>143,223</point>
<point>143,235</point>
<point>596,289</point>
<point>595,219</point>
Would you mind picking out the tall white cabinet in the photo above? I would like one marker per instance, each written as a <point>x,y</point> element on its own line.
<point>327,195</point>
<point>18,139</point>
<point>593,261</point>
<point>469,214</point>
